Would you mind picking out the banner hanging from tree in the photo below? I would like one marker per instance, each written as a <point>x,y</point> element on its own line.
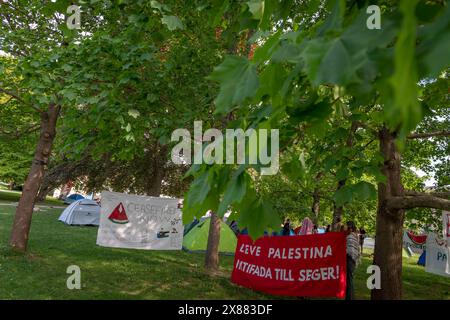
<point>414,242</point>
<point>140,222</point>
<point>437,256</point>
<point>311,265</point>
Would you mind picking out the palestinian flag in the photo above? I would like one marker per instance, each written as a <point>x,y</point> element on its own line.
<point>119,215</point>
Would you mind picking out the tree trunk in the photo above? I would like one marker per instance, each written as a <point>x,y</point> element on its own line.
<point>24,211</point>
<point>12,185</point>
<point>337,211</point>
<point>389,226</point>
<point>159,158</point>
<point>316,206</point>
<point>212,250</point>
<point>42,194</point>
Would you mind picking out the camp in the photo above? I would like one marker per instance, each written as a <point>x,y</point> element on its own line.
<point>197,238</point>
<point>81,212</point>
<point>315,135</point>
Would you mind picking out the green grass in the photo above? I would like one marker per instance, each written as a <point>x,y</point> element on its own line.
<point>14,196</point>
<point>108,273</point>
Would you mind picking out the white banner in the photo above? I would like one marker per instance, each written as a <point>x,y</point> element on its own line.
<point>139,222</point>
<point>414,242</point>
<point>437,256</point>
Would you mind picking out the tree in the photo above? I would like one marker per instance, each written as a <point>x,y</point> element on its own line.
<point>337,66</point>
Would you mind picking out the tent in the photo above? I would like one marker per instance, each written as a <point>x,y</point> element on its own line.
<point>81,212</point>
<point>197,238</point>
<point>72,198</point>
<point>422,258</point>
<point>188,227</point>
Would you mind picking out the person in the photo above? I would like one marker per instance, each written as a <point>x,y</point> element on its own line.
<point>328,229</point>
<point>353,257</point>
<point>315,230</point>
<point>234,227</point>
<point>307,227</point>
<point>286,227</point>
<point>362,236</point>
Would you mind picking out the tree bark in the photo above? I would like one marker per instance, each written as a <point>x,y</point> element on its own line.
<point>154,183</point>
<point>22,221</point>
<point>439,194</point>
<point>337,210</point>
<point>425,201</point>
<point>42,194</point>
<point>212,250</point>
<point>442,133</point>
<point>389,224</point>
<point>316,205</point>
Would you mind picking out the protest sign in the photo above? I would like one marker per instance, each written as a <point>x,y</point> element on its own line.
<point>437,256</point>
<point>414,242</point>
<point>140,222</point>
<point>309,265</point>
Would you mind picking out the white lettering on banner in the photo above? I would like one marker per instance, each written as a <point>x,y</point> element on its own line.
<point>249,249</point>
<point>319,274</point>
<point>328,273</point>
<point>300,253</point>
<point>253,269</point>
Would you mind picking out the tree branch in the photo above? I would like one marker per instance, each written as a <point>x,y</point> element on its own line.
<point>442,133</point>
<point>441,194</point>
<point>410,202</point>
<point>18,133</point>
<point>15,96</point>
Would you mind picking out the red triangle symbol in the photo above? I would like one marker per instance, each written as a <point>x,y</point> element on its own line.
<point>119,215</point>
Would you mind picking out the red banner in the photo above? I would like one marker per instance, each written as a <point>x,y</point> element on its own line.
<point>308,266</point>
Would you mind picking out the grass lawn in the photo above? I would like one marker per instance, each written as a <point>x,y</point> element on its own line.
<point>14,196</point>
<point>108,273</point>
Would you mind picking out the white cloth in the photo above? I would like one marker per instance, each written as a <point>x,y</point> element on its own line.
<point>140,222</point>
<point>437,256</point>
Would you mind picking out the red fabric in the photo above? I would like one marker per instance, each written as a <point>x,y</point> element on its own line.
<point>255,264</point>
<point>417,239</point>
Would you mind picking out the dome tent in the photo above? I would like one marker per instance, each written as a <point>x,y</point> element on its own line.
<point>72,198</point>
<point>81,212</point>
<point>197,238</point>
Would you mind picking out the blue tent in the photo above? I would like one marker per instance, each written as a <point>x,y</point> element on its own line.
<point>422,258</point>
<point>72,198</point>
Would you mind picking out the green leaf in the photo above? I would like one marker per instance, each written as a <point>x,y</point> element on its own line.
<point>159,6</point>
<point>364,191</point>
<point>258,215</point>
<point>134,113</point>
<point>343,196</point>
<point>328,62</point>
<point>376,173</point>
<point>405,108</point>
<point>238,80</point>
<point>265,51</point>
<point>342,174</point>
<point>172,22</point>
<point>256,7</point>
<point>234,192</point>
<point>200,188</point>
